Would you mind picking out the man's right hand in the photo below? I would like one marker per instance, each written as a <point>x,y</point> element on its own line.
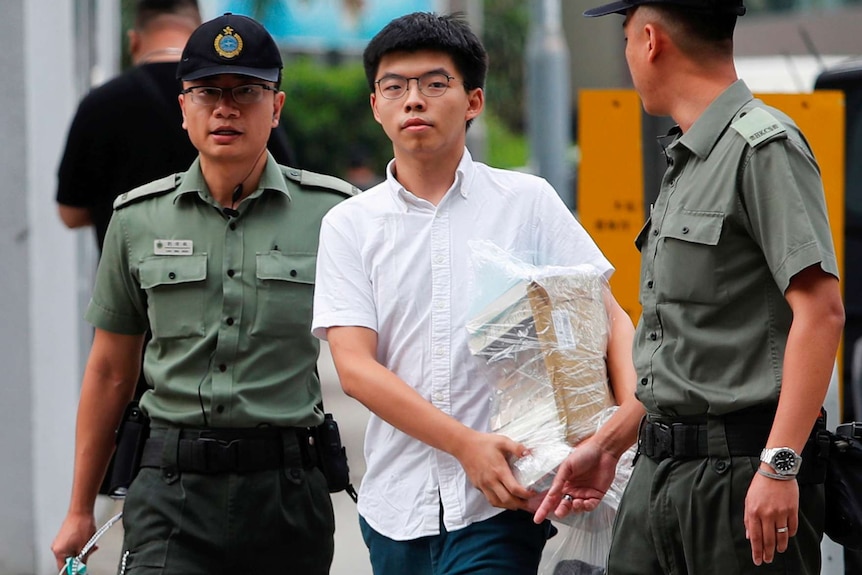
<point>73,535</point>
<point>485,459</point>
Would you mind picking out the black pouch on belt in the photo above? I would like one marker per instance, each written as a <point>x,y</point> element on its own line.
<point>132,434</point>
<point>332,456</point>
<point>844,486</point>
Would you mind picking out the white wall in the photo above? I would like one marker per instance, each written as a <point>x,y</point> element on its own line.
<point>50,301</point>
<point>16,493</point>
<point>39,331</point>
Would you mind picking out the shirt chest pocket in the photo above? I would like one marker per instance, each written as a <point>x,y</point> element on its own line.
<point>175,294</point>
<point>687,265</point>
<point>285,289</point>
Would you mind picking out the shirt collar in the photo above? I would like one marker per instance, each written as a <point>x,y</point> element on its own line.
<point>193,181</point>
<point>709,127</point>
<point>464,174</point>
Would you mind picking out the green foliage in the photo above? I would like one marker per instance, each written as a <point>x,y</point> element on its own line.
<point>329,121</point>
<point>127,22</point>
<point>505,38</point>
<point>328,118</point>
<point>327,114</point>
<point>505,149</point>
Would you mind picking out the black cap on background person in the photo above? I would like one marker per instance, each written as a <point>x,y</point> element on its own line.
<point>230,44</point>
<point>723,7</point>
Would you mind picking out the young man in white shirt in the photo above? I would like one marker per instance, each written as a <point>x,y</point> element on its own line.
<point>392,299</point>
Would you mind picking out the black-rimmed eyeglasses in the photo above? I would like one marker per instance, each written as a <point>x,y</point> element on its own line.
<point>211,95</point>
<point>432,84</point>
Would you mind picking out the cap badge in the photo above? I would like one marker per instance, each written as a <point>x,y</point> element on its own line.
<point>228,44</point>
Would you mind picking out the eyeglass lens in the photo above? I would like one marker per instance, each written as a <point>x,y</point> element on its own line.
<point>245,94</point>
<point>432,84</point>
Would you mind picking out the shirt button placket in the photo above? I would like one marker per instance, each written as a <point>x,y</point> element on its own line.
<point>227,341</point>
<point>441,284</point>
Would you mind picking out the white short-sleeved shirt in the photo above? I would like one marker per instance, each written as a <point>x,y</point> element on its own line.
<point>397,264</point>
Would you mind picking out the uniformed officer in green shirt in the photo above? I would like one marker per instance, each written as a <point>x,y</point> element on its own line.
<point>218,262</point>
<point>741,319</point>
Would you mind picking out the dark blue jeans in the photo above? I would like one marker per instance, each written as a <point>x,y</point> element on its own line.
<point>506,544</point>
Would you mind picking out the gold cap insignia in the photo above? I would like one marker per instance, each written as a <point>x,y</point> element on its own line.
<point>228,44</point>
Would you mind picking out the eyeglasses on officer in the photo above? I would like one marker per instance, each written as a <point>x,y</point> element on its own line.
<point>244,94</point>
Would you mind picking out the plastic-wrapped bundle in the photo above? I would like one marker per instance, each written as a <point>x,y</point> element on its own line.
<point>544,341</point>
<point>572,328</point>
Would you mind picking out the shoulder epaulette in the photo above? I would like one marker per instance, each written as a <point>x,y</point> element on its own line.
<point>758,126</point>
<point>154,188</point>
<point>308,179</point>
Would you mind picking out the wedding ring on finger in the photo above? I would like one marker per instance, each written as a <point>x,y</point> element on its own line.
<point>568,498</point>
<point>781,530</point>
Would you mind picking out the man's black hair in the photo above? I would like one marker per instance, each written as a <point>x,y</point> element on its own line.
<point>148,10</point>
<point>427,31</point>
<point>709,27</point>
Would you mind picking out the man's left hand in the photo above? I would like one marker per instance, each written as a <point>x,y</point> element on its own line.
<point>585,476</point>
<point>771,516</point>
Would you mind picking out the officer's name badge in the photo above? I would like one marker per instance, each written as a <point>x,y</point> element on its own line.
<point>173,247</point>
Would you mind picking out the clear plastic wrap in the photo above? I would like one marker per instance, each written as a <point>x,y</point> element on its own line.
<point>586,537</point>
<point>585,544</point>
<point>542,331</point>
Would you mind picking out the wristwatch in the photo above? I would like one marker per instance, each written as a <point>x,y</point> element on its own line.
<point>783,460</point>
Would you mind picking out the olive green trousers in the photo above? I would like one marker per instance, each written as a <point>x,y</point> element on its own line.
<point>270,522</point>
<point>685,517</point>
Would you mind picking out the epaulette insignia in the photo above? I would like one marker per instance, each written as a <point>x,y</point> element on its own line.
<point>314,180</point>
<point>154,188</point>
<point>758,126</point>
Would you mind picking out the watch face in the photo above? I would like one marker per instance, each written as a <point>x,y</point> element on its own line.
<point>784,460</point>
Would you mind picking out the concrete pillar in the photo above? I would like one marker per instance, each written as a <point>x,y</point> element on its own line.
<point>549,112</point>
<point>51,304</point>
<point>16,442</point>
<point>38,331</point>
<point>596,47</point>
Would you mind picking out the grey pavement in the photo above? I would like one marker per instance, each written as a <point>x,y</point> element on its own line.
<point>351,555</point>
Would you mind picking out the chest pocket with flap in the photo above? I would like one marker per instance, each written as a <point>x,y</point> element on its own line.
<point>175,293</point>
<point>687,265</point>
<point>285,288</point>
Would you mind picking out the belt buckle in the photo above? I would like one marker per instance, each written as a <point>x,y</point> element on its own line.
<point>663,440</point>
<point>646,438</point>
<point>684,440</point>
<point>220,455</point>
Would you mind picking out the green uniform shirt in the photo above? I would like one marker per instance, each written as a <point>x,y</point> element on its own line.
<point>741,211</point>
<point>228,300</point>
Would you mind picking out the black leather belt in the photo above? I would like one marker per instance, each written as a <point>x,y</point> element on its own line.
<point>746,433</point>
<point>231,450</point>
<point>659,441</point>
